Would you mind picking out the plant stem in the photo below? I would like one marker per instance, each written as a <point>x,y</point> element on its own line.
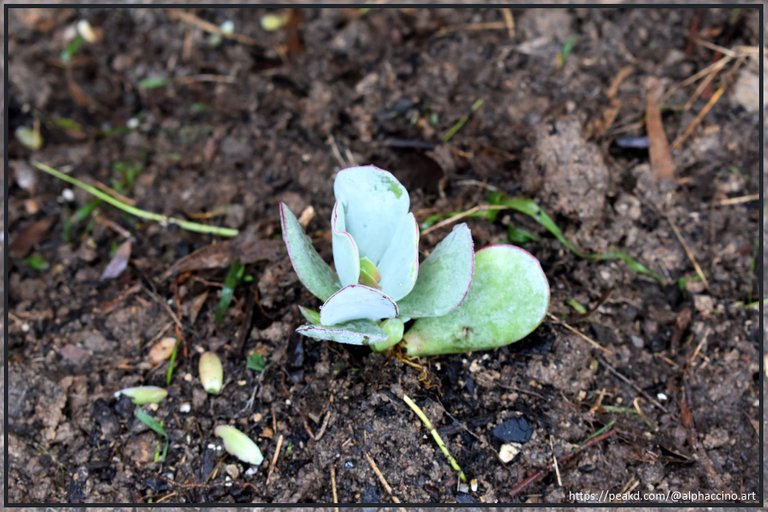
<point>137,212</point>
<point>439,440</point>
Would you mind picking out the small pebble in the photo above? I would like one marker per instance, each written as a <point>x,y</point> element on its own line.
<point>509,451</point>
<point>185,408</point>
<point>513,430</point>
<point>232,470</point>
<point>465,498</point>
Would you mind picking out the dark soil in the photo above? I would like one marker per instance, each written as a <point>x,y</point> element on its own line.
<point>238,126</point>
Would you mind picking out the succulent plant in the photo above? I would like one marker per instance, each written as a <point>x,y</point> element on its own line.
<point>378,284</point>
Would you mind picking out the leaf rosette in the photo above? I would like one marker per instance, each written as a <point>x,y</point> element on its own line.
<point>377,273</point>
<point>460,303</point>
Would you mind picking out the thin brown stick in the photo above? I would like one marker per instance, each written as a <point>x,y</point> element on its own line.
<point>697,350</point>
<point>634,386</point>
<point>381,478</point>
<point>686,418</point>
<point>206,77</point>
<point>680,140</point>
<point>323,427</point>
<point>749,198</point>
<point>704,83</point>
<point>716,47</point>
<point>702,73</point>
<point>613,88</point>
<point>274,458</point>
<point>333,488</point>
<point>580,334</point>
<point>191,19</point>
<point>688,252</point>
<point>544,472</point>
<point>488,25</point>
<point>662,164</point>
<point>554,462</point>
<point>164,305</point>
<point>509,21</point>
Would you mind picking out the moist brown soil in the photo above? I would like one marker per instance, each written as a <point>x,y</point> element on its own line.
<point>237,126</point>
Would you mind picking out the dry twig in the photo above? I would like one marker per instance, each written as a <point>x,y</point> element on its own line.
<point>661,157</point>
<point>749,198</point>
<point>509,21</point>
<point>544,472</point>
<point>381,478</point>
<point>580,334</point>
<point>274,458</point>
<point>688,252</point>
<point>207,26</point>
<point>333,488</point>
<point>634,386</point>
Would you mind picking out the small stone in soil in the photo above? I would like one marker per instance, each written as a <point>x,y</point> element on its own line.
<point>513,430</point>
<point>371,495</point>
<point>509,451</point>
<point>465,498</point>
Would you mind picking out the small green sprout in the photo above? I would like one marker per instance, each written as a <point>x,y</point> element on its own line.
<point>274,22</point>
<point>37,262</point>
<point>211,373</point>
<point>141,395</point>
<point>231,281</point>
<point>157,426</point>
<point>152,82</point>
<point>256,362</point>
<point>30,138</point>
<point>240,445</point>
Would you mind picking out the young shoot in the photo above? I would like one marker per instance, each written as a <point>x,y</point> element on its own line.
<point>461,301</point>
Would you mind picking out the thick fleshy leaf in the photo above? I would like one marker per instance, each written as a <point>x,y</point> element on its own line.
<point>444,277</point>
<point>507,300</point>
<point>346,257</point>
<point>310,315</point>
<point>399,266</point>
<point>357,302</point>
<point>360,332</point>
<point>374,203</point>
<point>313,272</point>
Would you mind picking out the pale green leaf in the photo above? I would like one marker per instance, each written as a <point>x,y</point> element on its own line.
<point>313,272</point>
<point>444,277</point>
<point>507,300</point>
<point>357,302</point>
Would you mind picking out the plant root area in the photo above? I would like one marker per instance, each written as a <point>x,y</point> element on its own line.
<point>636,130</point>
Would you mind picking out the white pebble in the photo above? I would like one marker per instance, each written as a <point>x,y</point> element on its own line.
<point>509,451</point>
<point>185,408</point>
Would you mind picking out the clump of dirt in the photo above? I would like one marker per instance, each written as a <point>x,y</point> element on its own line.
<point>634,383</point>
